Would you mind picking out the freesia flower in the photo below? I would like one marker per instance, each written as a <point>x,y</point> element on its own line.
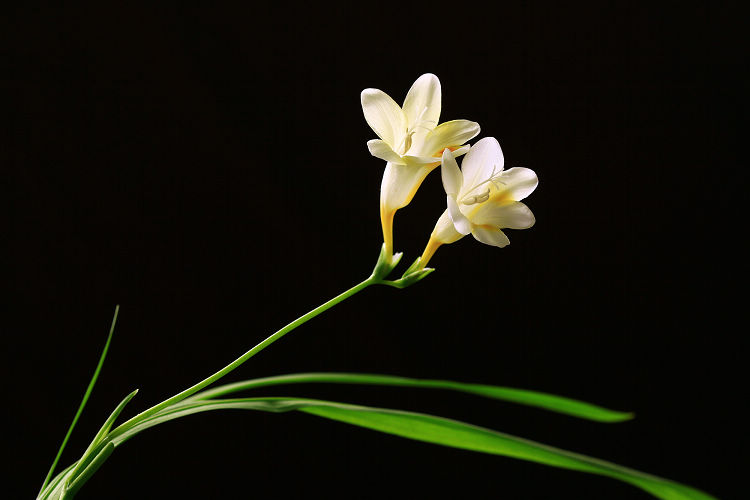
<point>411,141</point>
<point>482,199</point>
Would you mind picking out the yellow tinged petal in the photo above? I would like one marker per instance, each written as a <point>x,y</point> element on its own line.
<point>422,103</point>
<point>433,161</point>
<point>384,116</point>
<point>445,231</point>
<point>518,183</point>
<point>490,236</point>
<point>429,251</point>
<point>461,151</point>
<point>422,160</point>
<point>400,183</point>
<point>449,134</point>
<point>514,215</point>
<point>382,150</point>
<point>386,221</point>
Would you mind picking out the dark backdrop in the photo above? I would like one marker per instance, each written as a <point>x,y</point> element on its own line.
<point>206,169</point>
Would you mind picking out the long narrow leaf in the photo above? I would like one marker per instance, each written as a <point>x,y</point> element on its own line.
<point>437,430</point>
<point>52,491</point>
<point>456,434</point>
<point>542,400</point>
<point>83,401</point>
<point>93,466</point>
<point>103,431</point>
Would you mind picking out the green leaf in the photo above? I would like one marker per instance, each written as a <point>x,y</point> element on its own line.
<point>55,487</point>
<point>88,471</point>
<point>83,401</point>
<point>432,429</point>
<point>456,434</point>
<point>89,455</point>
<point>542,400</point>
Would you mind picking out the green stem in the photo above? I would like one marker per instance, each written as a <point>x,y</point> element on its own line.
<point>249,354</point>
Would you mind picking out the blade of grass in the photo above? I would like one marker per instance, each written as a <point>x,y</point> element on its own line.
<point>83,401</point>
<point>85,459</point>
<point>70,490</point>
<point>55,482</point>
<point>456,434</point>
<point>549,402</point>
<point>431,429</point>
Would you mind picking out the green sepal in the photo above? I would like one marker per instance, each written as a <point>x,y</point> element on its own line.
<point>410,270</point>
<point>386,263</point>
<point>411,275</point>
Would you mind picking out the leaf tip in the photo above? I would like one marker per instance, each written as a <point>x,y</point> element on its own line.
<point>620,416</point>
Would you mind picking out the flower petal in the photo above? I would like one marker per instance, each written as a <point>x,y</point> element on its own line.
<point>490,236</point>
<point>451,174</point>
<point>461,151</point>
<point>382,150</point>
<point>422,103</point>
<point>384,116</point>
<point>460,222</point>
<point>519,182</point>
<point>515,215</point>
<point>400,183</point>
<point>479,163</point>
<point>421,160</point>
<point>445,135</point>
<point>445,231</point>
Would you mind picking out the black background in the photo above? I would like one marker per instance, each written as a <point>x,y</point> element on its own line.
<point>207,170</point>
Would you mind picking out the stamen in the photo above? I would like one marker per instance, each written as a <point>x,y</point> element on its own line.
<point>494,179</point>
<point>410,131</point>
<point>481,198</point>
<point>420,122</point>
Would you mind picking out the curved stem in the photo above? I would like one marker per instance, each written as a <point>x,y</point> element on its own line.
<point>249,354</point>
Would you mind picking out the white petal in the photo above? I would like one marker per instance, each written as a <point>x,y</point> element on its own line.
<point>461,151</point>
<point>448,134</point>
<point>451,174</point>
<point>421,160</point>
<point>382,150</point>
<point>490,236</point>
<point>478,164</point>
<point>400,183</point>
<point>460,222</point>
<point>384,116</point>
<point>519,182</point>
<point>432,160</point>
<point>515,215</point>
<point>422,103</point>
<point>445,231</point>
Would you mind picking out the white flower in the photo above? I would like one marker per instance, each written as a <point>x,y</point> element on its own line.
<point>410,135</point>
<point>411,141</point>
<point>482,199</point>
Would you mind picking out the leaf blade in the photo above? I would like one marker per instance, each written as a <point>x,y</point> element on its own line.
<point>451,433</point>
<point>88,455</point>
<point>85,399</point>
<point>441,431</point>
<point>545,401</point>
